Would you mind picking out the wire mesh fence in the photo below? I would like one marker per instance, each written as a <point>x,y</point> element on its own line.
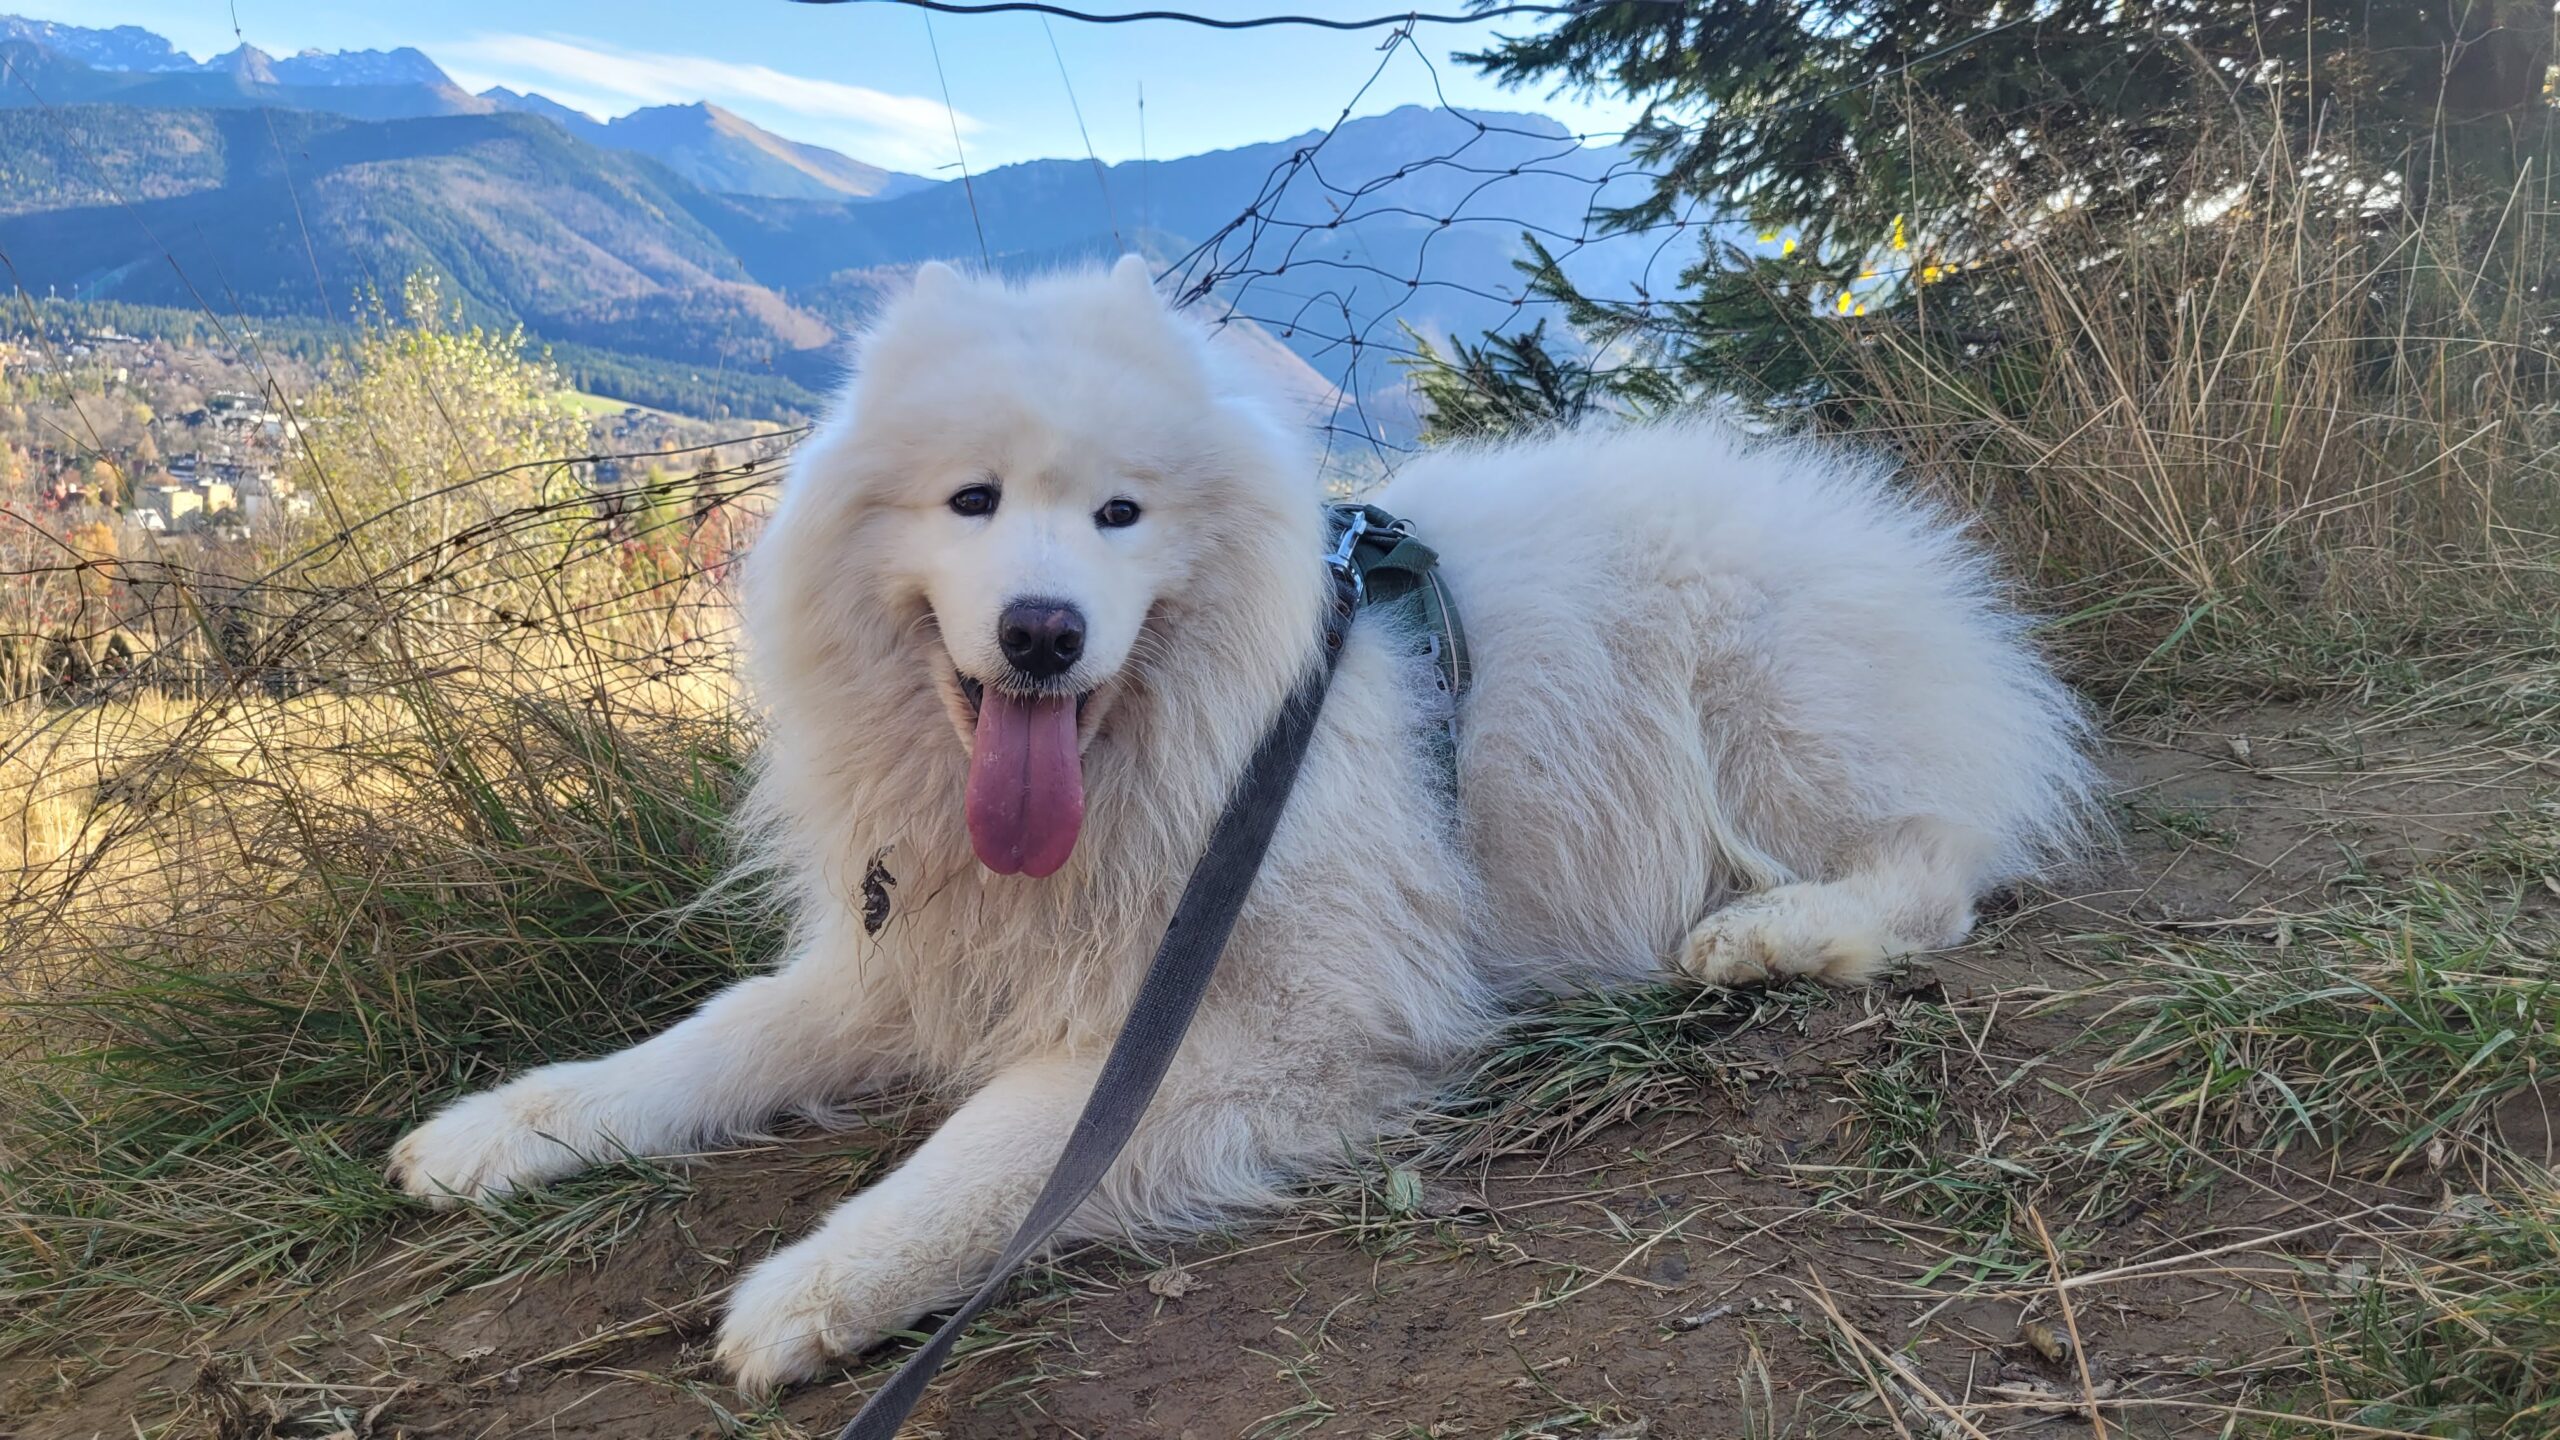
<point>1357,261</point>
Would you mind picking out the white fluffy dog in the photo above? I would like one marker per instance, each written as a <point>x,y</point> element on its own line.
<point>1031,598</point>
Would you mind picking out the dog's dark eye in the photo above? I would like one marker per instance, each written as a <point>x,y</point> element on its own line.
<point>974,500</point>
<point>1118,514</point>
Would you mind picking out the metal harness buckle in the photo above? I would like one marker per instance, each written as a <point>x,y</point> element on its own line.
<point>1355,525</point>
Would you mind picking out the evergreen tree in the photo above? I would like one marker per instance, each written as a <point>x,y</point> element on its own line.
<point>1810,117</point>
<point>1877,147</point>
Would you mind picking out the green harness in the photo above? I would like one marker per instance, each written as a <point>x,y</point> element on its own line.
<point>1389,567</point>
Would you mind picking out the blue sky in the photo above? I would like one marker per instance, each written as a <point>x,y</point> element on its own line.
<point>861,77</point>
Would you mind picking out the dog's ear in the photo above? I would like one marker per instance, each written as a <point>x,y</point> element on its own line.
<point>935,280</point>
<point>1131,275</point>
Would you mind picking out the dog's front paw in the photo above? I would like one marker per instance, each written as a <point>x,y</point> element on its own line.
<point>809,1304</point>
<point>486,1145</point>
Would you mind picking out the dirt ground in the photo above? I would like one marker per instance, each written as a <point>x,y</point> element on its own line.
<point>1731,1260</point>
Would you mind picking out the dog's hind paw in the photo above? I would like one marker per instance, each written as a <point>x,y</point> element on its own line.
<point>484,1146</point>
<point>1784,933</point>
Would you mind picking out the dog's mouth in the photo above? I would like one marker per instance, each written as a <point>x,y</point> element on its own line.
<point>1025,801</point>
<point>965,697</point>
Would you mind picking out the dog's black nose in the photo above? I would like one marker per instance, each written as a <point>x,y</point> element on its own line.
<point>1043,638</point>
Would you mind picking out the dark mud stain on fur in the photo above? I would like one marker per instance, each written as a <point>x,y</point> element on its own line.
<point>875,892</point>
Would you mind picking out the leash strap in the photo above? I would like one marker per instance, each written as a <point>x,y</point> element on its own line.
<point>1161,1012</point>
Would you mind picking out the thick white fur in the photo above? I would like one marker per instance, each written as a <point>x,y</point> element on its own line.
<point>1739,709</point>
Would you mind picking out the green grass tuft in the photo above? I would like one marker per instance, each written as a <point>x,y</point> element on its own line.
<point>2386,1032</point>
<point>2456,1332</point>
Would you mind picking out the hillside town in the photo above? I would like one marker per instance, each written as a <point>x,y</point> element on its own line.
<point>146,437</point>
<point>150,482</point>
<point>155,438</point>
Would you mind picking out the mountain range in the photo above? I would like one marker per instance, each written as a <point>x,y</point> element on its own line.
<point>684,235</point>
<point>720,151</point>
<point>50,64</point>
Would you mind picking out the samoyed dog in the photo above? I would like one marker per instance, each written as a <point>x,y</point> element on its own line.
<point>1740,711</point>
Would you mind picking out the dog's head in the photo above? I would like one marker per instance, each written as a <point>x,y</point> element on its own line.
<point>1030,483</point>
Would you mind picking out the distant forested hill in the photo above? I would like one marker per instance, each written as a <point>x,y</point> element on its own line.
<point>301,213</point>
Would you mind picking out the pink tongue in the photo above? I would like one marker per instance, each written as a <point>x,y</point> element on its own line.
<point>1026,783</point>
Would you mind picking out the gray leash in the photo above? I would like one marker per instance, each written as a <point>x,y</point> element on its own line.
<point>1165,1003</point>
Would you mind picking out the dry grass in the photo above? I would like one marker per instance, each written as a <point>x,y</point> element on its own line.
<point>144,797</point>
<point>2290,439</point>
<point>258,920</point>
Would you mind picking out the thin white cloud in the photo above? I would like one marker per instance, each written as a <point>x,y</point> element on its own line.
<point>901,131</point>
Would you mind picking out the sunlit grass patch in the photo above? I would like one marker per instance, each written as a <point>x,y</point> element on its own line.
<point>198,1119</point>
